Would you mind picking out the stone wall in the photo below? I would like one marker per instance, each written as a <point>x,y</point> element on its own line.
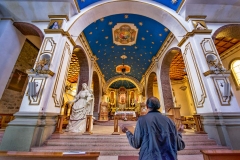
<point>17,82</point>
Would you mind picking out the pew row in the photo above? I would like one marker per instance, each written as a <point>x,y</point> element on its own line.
<point>221,154</point>
<point>17,155</point>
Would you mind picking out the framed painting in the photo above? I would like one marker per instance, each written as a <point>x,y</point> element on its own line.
<point>55,24</point>
<point>17,81</point>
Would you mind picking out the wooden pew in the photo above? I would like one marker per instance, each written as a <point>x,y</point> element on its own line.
<point>221,154</point>
<point>5,119</point>
<point>17,155</point>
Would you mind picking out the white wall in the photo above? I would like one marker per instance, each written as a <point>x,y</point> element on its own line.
<point>11,42</point>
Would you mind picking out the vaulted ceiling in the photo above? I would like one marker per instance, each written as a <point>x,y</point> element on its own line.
<point>149,38</point>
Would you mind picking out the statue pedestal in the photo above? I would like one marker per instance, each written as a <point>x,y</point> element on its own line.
<point>88,125</point>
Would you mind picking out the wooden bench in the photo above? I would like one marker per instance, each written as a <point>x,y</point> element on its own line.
<point>221,154</point>
<point>17,155</point>
<point>5,119</point>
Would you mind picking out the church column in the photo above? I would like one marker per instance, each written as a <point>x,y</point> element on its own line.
<point>209,84</point>
<point>37,117</point>
<point>11,42</point>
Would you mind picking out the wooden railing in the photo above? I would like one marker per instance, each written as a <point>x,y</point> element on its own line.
<point>5,119</point>
<point>16,155</point>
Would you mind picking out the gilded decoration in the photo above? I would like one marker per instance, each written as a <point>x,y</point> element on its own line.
<point>123,77</point>
<point>125,34</point>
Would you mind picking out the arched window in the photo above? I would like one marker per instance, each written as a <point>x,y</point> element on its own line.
<point>235,67</point>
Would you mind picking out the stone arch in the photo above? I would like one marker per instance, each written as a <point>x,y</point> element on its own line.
<point>96,90</point>
<point>84,67</point>
<point>165,79</point>
<point>121,77</point>
<point>29,29</point>
<point>150,84</point>
<point>158,12</point>
<point>230,30</point>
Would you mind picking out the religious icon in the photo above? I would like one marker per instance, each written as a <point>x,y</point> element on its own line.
<point>55,24</point>
<point>18,80</point>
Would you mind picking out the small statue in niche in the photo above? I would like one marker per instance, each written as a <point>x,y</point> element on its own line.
<point>82,105</point>
<point>199,26</point>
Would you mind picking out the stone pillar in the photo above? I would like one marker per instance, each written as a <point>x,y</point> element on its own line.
<point>37,117</point>
<point>207,79</point>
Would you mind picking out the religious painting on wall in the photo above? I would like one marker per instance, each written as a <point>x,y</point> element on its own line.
<point>18,80</point>
<point>55,24</point>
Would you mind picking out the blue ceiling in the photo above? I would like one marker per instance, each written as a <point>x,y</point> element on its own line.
<point>125,83</point>
<point>84,3</point>
<point>151,36</point>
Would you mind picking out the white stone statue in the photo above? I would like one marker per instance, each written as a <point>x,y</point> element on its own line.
<point>83,105</point>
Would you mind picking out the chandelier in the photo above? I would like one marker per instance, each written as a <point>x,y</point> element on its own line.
<point>123,69</point>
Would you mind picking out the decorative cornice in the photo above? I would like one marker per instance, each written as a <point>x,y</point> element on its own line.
<point>60,31</point>
<point>8,19</point>
<point>191,34</point>
<point>195,17</point>
<point>210,72</point>
<point>58,17</point>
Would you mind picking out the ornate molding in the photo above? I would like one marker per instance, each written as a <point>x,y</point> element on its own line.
<point>59,89</point>
<point>39,90</point>
<point>123,77</point>
<point>58,17</point>
<point>191,34</point>
<point>197,87</point>
<point>62,32</point>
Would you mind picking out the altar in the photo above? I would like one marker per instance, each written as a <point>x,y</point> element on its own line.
<point>126,115</point>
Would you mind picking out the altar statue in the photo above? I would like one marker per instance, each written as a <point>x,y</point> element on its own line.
<point>82,105</point>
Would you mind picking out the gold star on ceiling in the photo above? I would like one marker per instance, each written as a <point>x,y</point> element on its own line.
<point>165,29</point>
<point>143,38</point>
<point>106,37</point>
<point>102,19</point>
<point>110,23</point>
<point>160,35</point>
<point>140,23</point>
<point>90,32</point>
<point>96,41</point>
<point>125,16</point>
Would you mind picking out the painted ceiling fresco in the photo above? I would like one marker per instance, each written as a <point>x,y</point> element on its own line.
<point>149,39</point>
<point>149,36</point>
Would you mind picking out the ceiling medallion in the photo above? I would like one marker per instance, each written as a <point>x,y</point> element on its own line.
<point>125,34</point>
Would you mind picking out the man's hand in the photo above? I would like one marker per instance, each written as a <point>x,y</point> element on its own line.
<point>181,128</point>
<point>124,129</point>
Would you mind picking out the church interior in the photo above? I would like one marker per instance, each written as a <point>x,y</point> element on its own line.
<point>184,52</point>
